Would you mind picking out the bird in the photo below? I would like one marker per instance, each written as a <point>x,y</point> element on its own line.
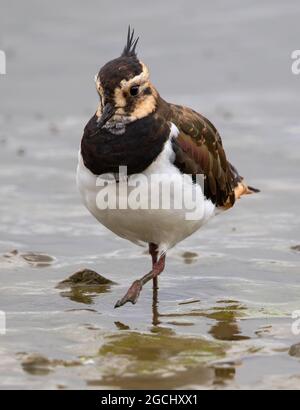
<point>136,130</point>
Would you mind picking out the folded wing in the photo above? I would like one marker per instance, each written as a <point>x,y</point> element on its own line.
<point>199,150</point>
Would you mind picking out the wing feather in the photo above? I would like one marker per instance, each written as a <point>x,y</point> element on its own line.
<point>199,149</point>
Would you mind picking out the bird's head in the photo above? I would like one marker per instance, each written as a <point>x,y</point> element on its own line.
<point>125,91</point>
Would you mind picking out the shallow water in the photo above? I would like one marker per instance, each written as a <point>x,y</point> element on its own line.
<point>222,317</point>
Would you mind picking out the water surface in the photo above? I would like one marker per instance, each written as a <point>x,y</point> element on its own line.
<point>222,315</point>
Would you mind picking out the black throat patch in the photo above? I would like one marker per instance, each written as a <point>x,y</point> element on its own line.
<point>104,152</point>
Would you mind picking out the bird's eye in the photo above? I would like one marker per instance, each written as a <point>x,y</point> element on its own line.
<point>134,90</point>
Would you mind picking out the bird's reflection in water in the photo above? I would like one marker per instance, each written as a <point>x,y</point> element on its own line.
<point>155,313</point>
<point>227,318</point>
<point>162,358</point>
<point>227,321</point>
<point>225,315</point>
<point>155,317</point>
<point>227,330</point>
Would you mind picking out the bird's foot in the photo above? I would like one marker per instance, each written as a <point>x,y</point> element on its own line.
<point>131,295</point>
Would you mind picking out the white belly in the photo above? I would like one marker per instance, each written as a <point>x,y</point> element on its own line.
<point>162,226</point>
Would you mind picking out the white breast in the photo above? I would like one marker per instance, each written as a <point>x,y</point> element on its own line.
<point>164,227</point>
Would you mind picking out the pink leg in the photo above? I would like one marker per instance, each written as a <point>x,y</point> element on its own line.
<point>134,291</point>
<point>153,250</point>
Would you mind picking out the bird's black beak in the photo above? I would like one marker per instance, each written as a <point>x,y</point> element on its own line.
<point>107,113</point>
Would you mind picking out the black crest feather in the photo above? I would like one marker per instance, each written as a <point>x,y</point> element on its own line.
<point>129,49</point>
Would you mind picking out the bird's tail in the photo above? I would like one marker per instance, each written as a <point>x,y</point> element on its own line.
<point>241,188</point>
<point>253,190</point>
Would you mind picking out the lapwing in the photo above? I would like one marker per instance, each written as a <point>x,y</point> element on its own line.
<point>136,130</point>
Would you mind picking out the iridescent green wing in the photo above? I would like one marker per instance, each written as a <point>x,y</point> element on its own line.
<point>199,150</point>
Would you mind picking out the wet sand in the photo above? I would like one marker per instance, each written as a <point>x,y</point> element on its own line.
<point>223,314</point>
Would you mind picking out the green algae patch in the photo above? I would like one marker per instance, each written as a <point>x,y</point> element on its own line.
<point>163,359</point>
<point>150,352</point>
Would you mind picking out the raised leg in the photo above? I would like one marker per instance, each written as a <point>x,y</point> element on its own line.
<point>134,291</point>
